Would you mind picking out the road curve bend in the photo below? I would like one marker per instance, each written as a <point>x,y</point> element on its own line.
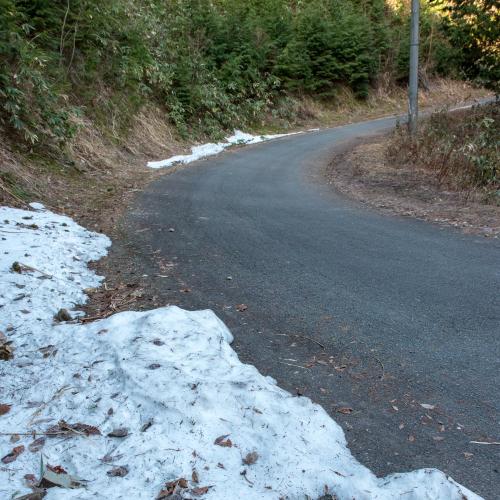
<point>391,324</point>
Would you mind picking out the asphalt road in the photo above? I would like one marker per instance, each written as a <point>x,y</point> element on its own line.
<point>354,309</point>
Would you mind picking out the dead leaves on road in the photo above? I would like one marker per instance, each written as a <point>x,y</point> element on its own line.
<point>345,410</point>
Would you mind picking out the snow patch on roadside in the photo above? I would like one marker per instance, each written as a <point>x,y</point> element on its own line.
<point>171,378</point>
<point>205,150</point>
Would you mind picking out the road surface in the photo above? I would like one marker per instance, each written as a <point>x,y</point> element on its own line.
<point>371,316</point>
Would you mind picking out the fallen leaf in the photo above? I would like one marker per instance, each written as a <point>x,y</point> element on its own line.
<point>146,425</point>
<point>10,457</point>
<point>37,445</point>
<point>241,307</point>
<point>401,425</point>
<point>120,471</point>
<point>65,428</point>
<point>411,438</point>
<point>438,438</point>
<point>171,488</point>
<point>345,410</point>
<point>194,476</point>
<point>58,469</point>
<point>224,441</point>
<point>6,350</point>
<point>57,476</point>
<point>4,409</point>
<point>154,366</point>
<point>49,350</point>
<point>395,408</point>
<point>251,458</point>
<point>119,432</point>
<point>108,458</point>
<point>468,455</point>
<point>185,290</point>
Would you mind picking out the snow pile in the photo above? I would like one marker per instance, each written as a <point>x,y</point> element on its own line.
<point>205,150</point>
<point>168,387</point>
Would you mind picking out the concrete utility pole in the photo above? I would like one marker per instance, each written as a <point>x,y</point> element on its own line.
<point>413,86</point>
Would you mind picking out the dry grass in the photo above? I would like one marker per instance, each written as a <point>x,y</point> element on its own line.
<point>387,99</point>
<point>93,178</point>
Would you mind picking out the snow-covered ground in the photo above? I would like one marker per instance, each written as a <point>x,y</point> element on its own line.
<point>165,382</point>
<point>211,149</point>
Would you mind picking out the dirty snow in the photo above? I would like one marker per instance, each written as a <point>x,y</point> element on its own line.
<point>205,150</point>
<point>170,378</point>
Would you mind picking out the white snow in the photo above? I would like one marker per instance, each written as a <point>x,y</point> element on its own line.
<point>210,149</point>
<point>168,366</point>
<point>37,206</point>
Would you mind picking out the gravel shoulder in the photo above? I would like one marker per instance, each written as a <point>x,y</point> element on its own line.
<point>360,170</point>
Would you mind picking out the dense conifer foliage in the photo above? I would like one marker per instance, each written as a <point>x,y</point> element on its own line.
<point>210,64</point>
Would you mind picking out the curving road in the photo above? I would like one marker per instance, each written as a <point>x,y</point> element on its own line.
<point>356,310</point>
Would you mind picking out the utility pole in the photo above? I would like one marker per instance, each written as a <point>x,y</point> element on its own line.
<point>413,84</point>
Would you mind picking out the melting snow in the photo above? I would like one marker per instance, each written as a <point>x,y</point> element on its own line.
<point>170,378</point>
<point>205,150</point>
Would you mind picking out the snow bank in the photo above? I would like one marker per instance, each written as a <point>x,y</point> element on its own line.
<point>190,408</point>
<point>205,150</point>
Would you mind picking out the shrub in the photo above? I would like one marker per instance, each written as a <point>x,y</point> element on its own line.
<point>463,151</point>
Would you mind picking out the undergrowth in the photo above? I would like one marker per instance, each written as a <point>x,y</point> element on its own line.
<point>462,149</point>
